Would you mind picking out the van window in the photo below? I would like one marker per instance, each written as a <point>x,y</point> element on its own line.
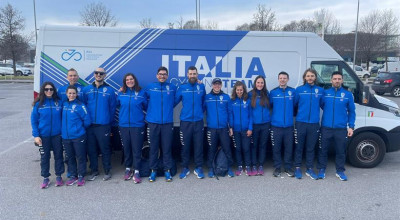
<point>324,73</point>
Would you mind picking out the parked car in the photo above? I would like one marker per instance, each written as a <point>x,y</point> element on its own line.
<point>7,69</point>
<point>387,82</point>
<point>361,72</point>
<point>374,69</point>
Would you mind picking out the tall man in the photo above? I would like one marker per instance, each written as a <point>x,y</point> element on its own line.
<point>337,124</point>
<point>72,77</point>
<point>161,97</point>
<point>100,100</point>
<point>216,103</point>
<point>282,102</point>
<point>192,127</point>
<point>308,101</point>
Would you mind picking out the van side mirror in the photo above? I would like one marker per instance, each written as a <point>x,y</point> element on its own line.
<point>365,94</point>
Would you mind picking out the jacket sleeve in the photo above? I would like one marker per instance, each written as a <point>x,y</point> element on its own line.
<point>250,118</point>
<point>85,116</point>
<point>230,113</point>
<point>296,97</point>
<point>322,101</point>
<point>178,96</point>
<point>351,108</point>
<point>112,107</point>
<point>35,120</point>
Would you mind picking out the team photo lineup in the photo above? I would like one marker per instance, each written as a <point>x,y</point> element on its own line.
<point>75,122</point>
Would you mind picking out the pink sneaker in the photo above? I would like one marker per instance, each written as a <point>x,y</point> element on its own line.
<point>248,171</point>
<point>81,181</point>
<point>136,178</point>
<point>45,184</point>
<point>128,174</point>
<point>59,181</point>
<point>260,171</point>
<point>239,171</point>
<point>253,171</point>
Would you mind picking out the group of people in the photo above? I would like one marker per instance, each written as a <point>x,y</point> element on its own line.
<point>77,120</point>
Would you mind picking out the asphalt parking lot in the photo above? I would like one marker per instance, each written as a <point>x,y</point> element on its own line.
<point>369,193</point>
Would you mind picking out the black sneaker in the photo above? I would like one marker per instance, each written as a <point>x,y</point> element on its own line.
<point>277,172</point>
<point>93,176</point>
<point>107,176</point>
<point>289,172</point>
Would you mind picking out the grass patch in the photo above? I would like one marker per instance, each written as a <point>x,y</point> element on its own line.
<point>8,77</point>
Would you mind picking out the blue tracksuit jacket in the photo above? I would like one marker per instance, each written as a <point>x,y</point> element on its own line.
<point>217,110</point>
<point>75,119</point>
<point>132,105</point>
<point>261,114</point>
<point>192,97</point>
<point>308,101</point>
<point>282,101</point>
<point>46,119</point>
<point>101,103</point>
<point>240,116</point>
<point>339,109</point>
<point>161,98</point>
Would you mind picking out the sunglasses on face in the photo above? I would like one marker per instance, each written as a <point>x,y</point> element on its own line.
<point>101,73</point>
<point>48,89</point>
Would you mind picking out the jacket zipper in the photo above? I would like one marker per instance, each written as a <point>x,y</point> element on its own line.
<point>193,104</point>
<point>284,108</point>
<point>66,119</point>
<point>95,110</point>
<point>309,114</point>
<point>162,109</point>
<point>129,108</point>
<point>333,115</point>
<point>240,113</point>
<point>216,108</point>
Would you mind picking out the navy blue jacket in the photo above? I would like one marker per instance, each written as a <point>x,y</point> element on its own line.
<point>161,97</point>
<point>75,119</point>
<point>282,102</point>
<point>240,116</point>
<point>339,109</point>
<point>46,119</point>
<point>132,105</point>
<point>261,114</point>
<point>101,103</point>
<point>192,96</point>
<point>217,110</point>
<point>308,101</point>
<point>62,92</point>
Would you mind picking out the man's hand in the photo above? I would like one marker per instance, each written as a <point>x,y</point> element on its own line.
<point>230,132</point>
<point>38,141</point>
<point>249,133</point>
<point>349,132</point>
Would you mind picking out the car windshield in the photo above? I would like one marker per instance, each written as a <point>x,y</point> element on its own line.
<point>383,75</point>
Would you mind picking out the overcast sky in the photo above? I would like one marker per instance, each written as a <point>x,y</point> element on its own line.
<point>226,13</point>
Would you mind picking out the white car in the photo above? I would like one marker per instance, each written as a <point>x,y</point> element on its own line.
<point>361,72</point>
<point>7,69</point>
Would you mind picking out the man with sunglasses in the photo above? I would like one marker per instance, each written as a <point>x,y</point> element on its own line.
<point>160,127</point>
<point>100,100</point>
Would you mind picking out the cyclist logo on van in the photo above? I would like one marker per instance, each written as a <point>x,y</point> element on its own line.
<point>67,55</point>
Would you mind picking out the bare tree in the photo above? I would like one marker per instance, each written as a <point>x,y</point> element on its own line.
<point>389,27</point>
<point>327,22</point>
<point>211,25</point>
<point>191,24</point>
<point>97,14</point>
<point>13,45</point>
<point>304,25</point>
<point>180,23</point>
<point>264,19</point>
<point>147,23</point>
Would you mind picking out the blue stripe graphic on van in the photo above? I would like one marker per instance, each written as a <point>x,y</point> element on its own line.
<point>176,49</point>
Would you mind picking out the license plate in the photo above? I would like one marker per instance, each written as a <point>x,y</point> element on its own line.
<point>377,82</point>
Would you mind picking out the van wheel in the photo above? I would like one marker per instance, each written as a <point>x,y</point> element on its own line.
<point>366,76</point>
<point>396,91</point>
<point>366,150</point>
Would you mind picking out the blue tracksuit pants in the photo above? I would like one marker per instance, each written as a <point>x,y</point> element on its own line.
<point>48,144</point>
<point>192,132</point>
<point>338,136</point>
<point>160,137</point>
<point>242,145</point>
<point>99,135</point>
<point>282,136</point>
<point>218,137</point>
<point>132,143</point>
<point>260,140</point>
<point>306,136</point>
<point>76,151</point>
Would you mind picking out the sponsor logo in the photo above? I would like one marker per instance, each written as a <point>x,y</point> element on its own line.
<point>71,53</point>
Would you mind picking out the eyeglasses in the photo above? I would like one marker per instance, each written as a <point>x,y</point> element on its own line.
<point>101,73</point>
<point>48,89</point>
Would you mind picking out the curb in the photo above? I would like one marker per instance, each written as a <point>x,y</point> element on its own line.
<point>16,81</point>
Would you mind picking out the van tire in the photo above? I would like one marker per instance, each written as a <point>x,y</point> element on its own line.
<point>366,150</point>
<point>366,76</point>
<point>396,91</point>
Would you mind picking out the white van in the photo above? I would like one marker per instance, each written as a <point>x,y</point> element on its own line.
<point>391,67</point>
<point>229,55</point>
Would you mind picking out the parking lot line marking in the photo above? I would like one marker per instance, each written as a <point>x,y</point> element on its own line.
<point>17,145</point>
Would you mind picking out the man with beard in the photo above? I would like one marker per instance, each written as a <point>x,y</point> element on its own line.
<point>337,124</point>
<point>100,100</point>
<point>192,127</point>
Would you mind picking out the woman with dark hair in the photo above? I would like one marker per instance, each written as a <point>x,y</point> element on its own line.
<point>261,124</point>
<point>132,104</point>
<point>241,126</point>
<point>75,120</point>
<point>46,129</point>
